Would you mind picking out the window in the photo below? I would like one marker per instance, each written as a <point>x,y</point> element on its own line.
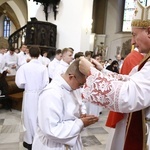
<point>129,8</point>
<point>6,25</point>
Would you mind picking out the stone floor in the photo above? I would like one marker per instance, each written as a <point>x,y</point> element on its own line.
<point>94,137</point>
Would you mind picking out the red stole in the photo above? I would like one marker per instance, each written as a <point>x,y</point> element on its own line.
<point>134,135</point>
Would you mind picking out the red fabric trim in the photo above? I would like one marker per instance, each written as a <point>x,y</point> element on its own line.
<point>113,119</point>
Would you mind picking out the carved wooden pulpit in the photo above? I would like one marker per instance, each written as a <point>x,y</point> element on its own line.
<point>42,34</point>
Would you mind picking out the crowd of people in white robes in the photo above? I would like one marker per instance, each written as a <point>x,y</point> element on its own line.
<point>11,59</point>
<point>33,74</point>
<point>32,77</point>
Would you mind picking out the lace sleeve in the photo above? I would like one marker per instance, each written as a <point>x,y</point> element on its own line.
<point>113,75</point>
<point>103,87</point>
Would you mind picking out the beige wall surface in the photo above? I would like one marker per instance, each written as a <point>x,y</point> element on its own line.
<point>114,39</point>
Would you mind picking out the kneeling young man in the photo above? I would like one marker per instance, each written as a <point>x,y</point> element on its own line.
<point>59,116</point>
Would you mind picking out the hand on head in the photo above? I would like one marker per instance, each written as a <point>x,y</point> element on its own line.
<point>97,64</point>
<point>84,65</point>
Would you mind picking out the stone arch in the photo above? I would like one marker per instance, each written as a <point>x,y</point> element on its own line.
<point>16,10</point>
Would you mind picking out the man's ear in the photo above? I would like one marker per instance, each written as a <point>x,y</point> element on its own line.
<point>71,76</point>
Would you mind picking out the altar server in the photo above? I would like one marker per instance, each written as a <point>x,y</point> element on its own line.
<point>59,114</point>
<point>32,77</point>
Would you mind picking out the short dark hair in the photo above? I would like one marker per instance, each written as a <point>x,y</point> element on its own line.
<point>12,49</point>
<point>71,48</point>
<point>87,53</point>
<point>34,51</point>
<point>58,52</point>
<point>44,52</point>
<point>65,50</point>
<point>74,69</point>
<point>96,55</point>
<point>22,45</point>
<point>77,55</point>
<point>115,62</point>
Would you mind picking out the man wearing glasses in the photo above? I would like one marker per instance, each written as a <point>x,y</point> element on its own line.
<point>59,115</point>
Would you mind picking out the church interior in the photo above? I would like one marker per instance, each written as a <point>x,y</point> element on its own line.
<point>99,26</point>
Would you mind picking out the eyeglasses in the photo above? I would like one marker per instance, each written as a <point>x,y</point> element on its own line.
<point>80,84</point>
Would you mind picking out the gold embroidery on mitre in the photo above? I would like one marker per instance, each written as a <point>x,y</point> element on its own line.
<point>141,15</point>
<point>140,23</point>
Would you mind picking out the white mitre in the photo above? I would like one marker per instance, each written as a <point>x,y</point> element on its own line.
<point>141,17</point>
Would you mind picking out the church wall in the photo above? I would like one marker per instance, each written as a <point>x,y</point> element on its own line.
<point>20,9</point>
<point>86,26</point>
<point>72,21</point>
<point>114,39</point>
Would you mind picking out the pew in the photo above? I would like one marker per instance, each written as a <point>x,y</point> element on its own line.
<point>14,93</point>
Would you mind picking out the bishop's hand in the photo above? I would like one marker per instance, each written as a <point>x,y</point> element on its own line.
<point>84,66</point>
<point>97,64</point>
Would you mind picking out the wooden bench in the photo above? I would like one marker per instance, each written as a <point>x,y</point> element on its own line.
<point>14,93</point>
<point>16,100</point>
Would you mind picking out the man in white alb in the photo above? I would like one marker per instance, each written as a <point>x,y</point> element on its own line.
<point>11,60</point>
<point>67,57</point>
<point>52,65</point>
<point>32,77</point>
<point>22,58</point>
<point>60,119</point>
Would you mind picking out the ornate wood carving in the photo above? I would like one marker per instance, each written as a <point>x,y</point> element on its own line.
<point>42,34</point>
<point>38,33</point>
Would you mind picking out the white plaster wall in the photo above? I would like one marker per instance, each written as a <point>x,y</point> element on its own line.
<point>114,39</point>
<point>32,9</point>
<point>86,36</point>
<point>69,21</point>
